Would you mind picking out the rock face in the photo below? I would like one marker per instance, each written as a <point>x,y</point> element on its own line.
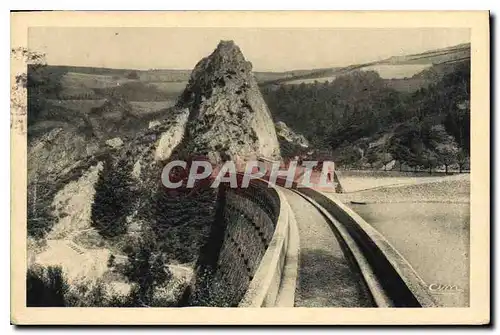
<point>228,116</point>
<point>287,134</point>
<point>114,118</point>
<point>172,137</point>
<point>221,115</point>
<point>115,142</point>
<point>292,145</point>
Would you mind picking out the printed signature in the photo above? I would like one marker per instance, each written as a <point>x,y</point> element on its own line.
<point>444,288</point>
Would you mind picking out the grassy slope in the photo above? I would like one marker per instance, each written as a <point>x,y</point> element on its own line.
<point>71,240</point>
<point>82,80</point>
<point>442,56</point>
<point>138,107</point>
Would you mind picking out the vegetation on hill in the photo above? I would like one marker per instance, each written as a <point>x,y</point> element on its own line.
<point>358,119</point>
<point>41,85</point>
<point>330,113</point>
<point>440,58</point>
<point>146,268</point>
<point>45,287</point>
<point>49,287</point>
<point>363,121</point>
<point>112,200</point>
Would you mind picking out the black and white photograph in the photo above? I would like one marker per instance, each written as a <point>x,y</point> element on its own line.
<point>248,167</point>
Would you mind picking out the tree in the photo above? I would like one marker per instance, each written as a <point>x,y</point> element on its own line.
<point>447,154</point>
<point>88,293</point>
<point>403,154</point>
<point>45,287</point>
<point>462,159</point>
<point>386,158</point>
<point>430,159</point>
<point>146,267</point>
<point>371,157</point>
<point>133,75</point>
<point>112,201</point>
<point>348,156</point>
<point>443,145</point>
<point>406,145</point>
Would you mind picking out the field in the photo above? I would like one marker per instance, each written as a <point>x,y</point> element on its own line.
<point>426,218</point>
<point>407,85</point>
<point>138,107</point>
<point>388,71</point>
<point>172,88</point>
<point>310,80</point>
<point>402,73</point>
<point>91,80</point>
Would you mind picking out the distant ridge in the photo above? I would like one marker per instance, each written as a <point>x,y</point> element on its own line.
<point>438,56</point>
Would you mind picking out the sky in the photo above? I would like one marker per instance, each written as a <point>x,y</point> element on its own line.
<point>269,49</point>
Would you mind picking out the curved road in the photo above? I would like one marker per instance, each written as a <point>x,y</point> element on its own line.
<point>326,278</point>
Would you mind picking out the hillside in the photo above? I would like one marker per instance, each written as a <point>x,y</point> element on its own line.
<point>367,123</point>
<point>90,83</point>
<point>406,73</point>
<point>360,100</point>
<point>99,199</point>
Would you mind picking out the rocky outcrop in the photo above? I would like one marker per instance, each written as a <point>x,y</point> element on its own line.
<point>172,137</point>
<point>287,134</point>
<point>228,116</point>
<point>221,114</point>
<point>292,145</point>
<point>115,142</point>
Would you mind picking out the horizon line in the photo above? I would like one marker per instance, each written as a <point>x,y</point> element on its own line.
<point>271,71</point>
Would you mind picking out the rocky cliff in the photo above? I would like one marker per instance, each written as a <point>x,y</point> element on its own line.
<point>221,115</point>
<point>291,144</point>
<point>228,116</point>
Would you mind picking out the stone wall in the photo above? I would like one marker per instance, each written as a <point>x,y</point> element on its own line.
<point>244,227</point>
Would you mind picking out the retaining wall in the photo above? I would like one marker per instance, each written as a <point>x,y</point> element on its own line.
<point>247,250</point>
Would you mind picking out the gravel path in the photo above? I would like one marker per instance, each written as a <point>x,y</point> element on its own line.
<point>326,277</point>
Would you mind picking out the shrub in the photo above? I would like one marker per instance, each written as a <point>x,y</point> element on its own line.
<point>146,267</point>
<point>112,200</point>
<point>133,75</point>
<point>45,287</point>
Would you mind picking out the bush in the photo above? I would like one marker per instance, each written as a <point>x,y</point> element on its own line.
<point>211,291</point>
<point>40,218</point>
<point>146,267</point>
<point>133,75</point>
<point>112,200</point>
<point>45,287</point>
<point>87,294</point>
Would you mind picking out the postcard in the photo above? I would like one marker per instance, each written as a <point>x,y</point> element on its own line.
<point>317,168</point>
